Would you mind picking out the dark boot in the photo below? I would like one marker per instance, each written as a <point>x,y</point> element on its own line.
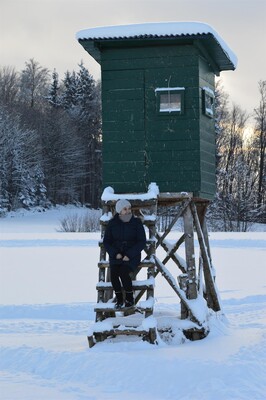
<point>129,299</point>
<point>119,300</point>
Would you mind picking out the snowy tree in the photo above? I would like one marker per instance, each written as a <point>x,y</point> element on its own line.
<point>32,190</point>
<point>88,100</point>
<point>85,94</point>
<point>20,185</point>
<point>9,87</point>
<point>81,100</point>
<point>54,91</point>
<point>234,204</point>
<point>221,115</point>
<point>260,144</point>
<point>53,136</point>
<point>68,99</point>
<point>34,83</point>
<point>64,159</point>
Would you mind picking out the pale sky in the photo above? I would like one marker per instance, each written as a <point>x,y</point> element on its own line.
<point>45,30</point>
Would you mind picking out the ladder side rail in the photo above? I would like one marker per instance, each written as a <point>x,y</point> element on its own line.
<point>152,249</point>
<point>104,273</point>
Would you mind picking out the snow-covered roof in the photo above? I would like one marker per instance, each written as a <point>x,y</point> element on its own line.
<point>156,30</point>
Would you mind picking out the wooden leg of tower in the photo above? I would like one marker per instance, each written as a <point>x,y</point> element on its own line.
<point>91,341</point>
<point>152,335</point>
<point>190,254</point>
<point>212,298</point>
<point>183,281</point>
<point>201,211</point>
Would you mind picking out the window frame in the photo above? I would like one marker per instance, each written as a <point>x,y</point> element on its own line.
<point>168,91</point>
<point>208,95</point>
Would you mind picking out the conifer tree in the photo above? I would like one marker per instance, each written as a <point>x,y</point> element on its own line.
<point>53,94</point>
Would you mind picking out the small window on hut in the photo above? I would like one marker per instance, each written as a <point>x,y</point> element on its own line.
<point>170,100</point>
<point>208,102</point>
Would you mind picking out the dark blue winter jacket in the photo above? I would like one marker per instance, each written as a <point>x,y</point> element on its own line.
<point>126,238</point>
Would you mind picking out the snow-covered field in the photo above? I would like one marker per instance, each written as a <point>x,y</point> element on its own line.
<point>47,296</point>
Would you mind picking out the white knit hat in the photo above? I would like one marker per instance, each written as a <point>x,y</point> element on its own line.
<point>121,204</point>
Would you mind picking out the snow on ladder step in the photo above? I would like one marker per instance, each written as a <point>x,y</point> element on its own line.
<point>103,329</point>
<point>146,305</point>
<point>137,285</point>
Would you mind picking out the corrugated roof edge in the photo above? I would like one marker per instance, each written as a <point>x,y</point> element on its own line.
<point>155,30</point>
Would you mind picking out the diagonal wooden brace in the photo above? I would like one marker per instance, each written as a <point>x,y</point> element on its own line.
<point>171,253</point>
<point>181,294</point>
<point>178,215</point>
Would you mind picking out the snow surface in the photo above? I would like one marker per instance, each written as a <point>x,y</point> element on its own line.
<point>47,297</point>
<point>158,29</point>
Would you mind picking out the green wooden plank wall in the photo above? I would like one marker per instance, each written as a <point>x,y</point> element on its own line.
<point>141,145</point>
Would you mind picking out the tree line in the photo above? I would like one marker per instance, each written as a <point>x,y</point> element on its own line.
<point>240,161</point>
<point>51,136</point>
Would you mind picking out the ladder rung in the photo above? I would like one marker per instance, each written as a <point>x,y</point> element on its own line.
<point>103,264</point>
<point>137,285</point>
<point>109,307</point>
<point>143,264</point>
<point>149,242</point>
<point>123,331</point>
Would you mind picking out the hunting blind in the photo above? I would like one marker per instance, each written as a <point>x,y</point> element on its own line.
<point>158,104</point>
<point>158,126</point>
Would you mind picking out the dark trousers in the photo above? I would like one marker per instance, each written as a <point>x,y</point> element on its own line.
<point>120,274</point>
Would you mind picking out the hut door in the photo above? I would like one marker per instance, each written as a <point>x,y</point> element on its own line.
<point>164,102</point>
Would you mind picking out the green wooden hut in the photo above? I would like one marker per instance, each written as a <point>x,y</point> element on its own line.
<point>158,104</point>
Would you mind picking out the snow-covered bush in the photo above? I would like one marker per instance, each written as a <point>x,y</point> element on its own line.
<point>86,222</point>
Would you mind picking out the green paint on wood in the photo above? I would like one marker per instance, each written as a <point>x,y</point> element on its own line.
<point>141,144</point>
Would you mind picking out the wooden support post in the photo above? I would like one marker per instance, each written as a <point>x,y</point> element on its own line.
<point>91,341</point>
<point>190,254</point>
<point>200,277</point>
<point>212,297</point>
<point>182,280</point>
<point>201,210</point>
<point>152,335</point>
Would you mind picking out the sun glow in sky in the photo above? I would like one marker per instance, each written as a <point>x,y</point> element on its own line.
<point>248,133</point>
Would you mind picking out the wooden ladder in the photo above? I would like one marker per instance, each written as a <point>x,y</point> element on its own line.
<point>109,322</point>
